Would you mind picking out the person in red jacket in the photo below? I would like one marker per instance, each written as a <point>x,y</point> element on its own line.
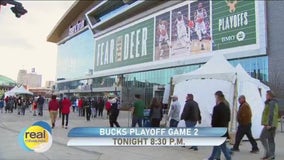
<point>80,106</point>
<point>66,104</point>
<point>53,109</point>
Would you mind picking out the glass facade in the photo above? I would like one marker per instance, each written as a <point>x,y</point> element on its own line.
<point>76,56</point>
<point>151,83</point>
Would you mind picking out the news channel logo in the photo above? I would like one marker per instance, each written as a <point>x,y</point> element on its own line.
<point>36,138</point>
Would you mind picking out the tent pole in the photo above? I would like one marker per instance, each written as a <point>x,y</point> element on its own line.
<point>233,125</point>
<point>170,100</point>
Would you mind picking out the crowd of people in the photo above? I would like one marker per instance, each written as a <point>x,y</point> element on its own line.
<point>19,104</point>
<point>221,118</point>
<point>91,107</point>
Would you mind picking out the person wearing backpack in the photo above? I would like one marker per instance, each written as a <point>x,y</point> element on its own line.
<point>114,112</point>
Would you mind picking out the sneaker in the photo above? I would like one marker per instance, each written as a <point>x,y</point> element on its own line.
<point>235,150</point>
<point>194,148</point>
<point>66,127</point>
<point>254,151</point>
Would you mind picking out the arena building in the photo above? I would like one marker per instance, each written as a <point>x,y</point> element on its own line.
<point>131,46</point>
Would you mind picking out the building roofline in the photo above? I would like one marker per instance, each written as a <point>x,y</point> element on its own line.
<point>74,11</point>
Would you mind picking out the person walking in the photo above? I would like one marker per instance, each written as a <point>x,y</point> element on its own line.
<point>138,111</point>
<point>156,113</point>
<point>96,110</point>
<point>19,104</point>
<point>244,119</point>
<point>1,105</point>
<point>270,122</point>
<point>93,108</point>
<point>66,104</point>
<point>40,103</point>
<point>220,118</point>
<point>25,105</point>
<point>80,106</point>
<point>191,114</point>
<point>88,108</point>
<point>174,112</point>
<point>34,107</point>
<point>114,112</point>
<point>101,107</point>
<point>53,107</point>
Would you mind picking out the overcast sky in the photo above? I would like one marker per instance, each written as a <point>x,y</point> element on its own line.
<point>23,42</point>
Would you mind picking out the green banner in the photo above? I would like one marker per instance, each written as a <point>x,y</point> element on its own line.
<point>131,45</point>
<point>233,23</point>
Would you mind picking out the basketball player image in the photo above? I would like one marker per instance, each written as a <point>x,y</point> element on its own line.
<point>181,28</point>
<point>200,28</point>
<point>162,30</point>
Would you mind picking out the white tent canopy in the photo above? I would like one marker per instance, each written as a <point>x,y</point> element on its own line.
<point>18,90</point>
<point>216,68</point>
<point>219,74</point>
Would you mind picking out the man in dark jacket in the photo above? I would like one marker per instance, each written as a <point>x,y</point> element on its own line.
<point>244,119</point>
<point>220,118</point>
<point>40,103</point>
<point>191,114</point>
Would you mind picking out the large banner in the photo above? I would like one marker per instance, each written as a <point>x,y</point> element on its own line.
<point>132,45</point>
<point>233,23</point>
<point>178,32</point>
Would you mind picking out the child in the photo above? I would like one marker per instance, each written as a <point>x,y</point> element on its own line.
<point>34,108</point>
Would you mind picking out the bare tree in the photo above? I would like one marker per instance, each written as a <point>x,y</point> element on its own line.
<point>276,84</point>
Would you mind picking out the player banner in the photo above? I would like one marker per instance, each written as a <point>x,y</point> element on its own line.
<point>188,29</point>
<point>92,136</point>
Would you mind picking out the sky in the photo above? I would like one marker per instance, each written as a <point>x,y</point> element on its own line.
<point>23,42</point>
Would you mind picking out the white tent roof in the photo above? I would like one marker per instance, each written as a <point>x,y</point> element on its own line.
<point>216,68</point>
<point>18,90</point>
<point>244,76</point>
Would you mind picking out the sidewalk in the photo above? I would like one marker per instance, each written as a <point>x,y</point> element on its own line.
<point>11,124</point>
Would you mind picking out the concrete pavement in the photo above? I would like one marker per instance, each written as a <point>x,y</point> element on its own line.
<point>11,124</point>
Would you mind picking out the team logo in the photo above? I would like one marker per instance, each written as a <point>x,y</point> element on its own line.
<point>241,36</point>
<point>36,138</point>
<point>231,5</point>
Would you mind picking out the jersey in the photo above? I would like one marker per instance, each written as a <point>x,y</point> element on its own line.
<point>200,15</point>
<point>162,29</point>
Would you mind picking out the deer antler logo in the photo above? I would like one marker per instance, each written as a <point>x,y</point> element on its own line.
<point>231,5</point>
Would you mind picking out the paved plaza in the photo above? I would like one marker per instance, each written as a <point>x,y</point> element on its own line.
<point>11,124</point>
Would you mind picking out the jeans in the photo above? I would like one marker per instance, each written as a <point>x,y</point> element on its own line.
<point>191,124</point>
<point>173,123</point>
<point>67,118</point>
<point>101,112</point>
<point>40,109</point>
<point>245,130</point>
<point>88,113</point>
<point>217,149</point>
<point>267,139</point>
<point>136,120</point>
